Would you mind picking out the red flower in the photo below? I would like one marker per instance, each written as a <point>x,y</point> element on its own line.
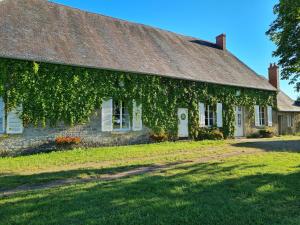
<point>67,140</point>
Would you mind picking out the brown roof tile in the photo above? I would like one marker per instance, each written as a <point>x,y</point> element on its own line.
<point>286,104</point>
<point>43,31</point>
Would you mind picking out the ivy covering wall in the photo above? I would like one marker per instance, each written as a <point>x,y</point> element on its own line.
<point>53,93</point>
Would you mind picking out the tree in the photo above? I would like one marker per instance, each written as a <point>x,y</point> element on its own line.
<point>285,33</point>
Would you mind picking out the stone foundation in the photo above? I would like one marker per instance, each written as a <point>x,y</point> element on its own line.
<point>40,139</point>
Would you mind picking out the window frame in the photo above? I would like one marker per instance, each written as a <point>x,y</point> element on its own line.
<point>239,119</point>
<point>121,104</point>
<point>290,121</point>
<point>262,116</point>
<point>208,109</point>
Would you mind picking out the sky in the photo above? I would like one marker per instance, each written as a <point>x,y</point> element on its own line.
<point>244,22</point>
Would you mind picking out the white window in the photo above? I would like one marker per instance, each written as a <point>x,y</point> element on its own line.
<point>14,121</point>
<point>121,118</point>
<point>239,116</point>
<point>210,116</point>
<point>290,121</point>
<point>262,116</point>
<point>270,116</point>
<point>2,116</point>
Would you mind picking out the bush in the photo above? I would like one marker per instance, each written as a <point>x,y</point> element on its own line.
<point>209,134</point>
<point>263,133</point>
<point>4,153</point>
<point>159,137</point>
<point>216,135</point>
<point>297,134</point>
<point>67,141</point>
<point>267,133</point>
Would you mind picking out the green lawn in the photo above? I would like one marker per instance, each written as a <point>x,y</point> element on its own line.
<point>258,188</point>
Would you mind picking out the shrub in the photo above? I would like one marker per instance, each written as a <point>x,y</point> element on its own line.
<point>266,133</point>
<point>263,133</point>
<point>216,135</point>
<point>201,134</point>
<point>209,134</point>
<point>4,153</point>
<point>159,137</point>
<point>297,134</point>
<point>67,140</point>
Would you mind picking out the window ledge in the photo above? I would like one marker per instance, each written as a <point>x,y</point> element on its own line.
<point>121,131</point>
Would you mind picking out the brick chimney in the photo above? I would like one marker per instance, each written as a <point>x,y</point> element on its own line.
<point>274,75</point>
<point>221,41</point>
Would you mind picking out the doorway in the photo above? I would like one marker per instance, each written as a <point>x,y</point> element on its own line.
<point>2,116</point>
<point>183,124</point>
<point>239,121</point>
<point>280,120</point>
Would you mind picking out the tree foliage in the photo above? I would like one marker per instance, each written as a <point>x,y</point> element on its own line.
<point>53,93</point>
<point>285,33</point>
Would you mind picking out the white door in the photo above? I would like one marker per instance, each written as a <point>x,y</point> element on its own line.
<point>239,122</point>
<point>2,116</point>
<point>183,123</point>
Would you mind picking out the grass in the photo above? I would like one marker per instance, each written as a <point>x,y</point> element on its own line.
<point>261,188</point>
<point>41,168</point>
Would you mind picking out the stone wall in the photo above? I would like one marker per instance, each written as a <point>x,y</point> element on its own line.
<point>250,127</point>
<point>296,122</point>
<point>40,139</point>
<point>284,129</point>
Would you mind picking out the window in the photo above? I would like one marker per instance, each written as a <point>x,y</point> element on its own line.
<point>262,114</point>
<point>210,115</point>
<point>290,121</point>
<point>239,116</point>
<point>121,118</point>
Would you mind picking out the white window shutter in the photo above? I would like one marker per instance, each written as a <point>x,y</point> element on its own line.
<point>289,120</point>
<point>256,111</point>
<point>2,116</point>
<point>14,122</point>
<point>137,117</point>
<point>219,115</point>
<point>270,119</point>
<point>202,114</point>
<point>106,115</point>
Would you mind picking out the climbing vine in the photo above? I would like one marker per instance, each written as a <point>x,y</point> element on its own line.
<point>51,93</point>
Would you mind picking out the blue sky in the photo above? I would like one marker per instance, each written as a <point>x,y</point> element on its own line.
<point>244,22</point>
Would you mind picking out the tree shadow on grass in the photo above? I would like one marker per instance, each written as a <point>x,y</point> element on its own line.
<point>207,193</point>
<point>271,145</point>
<point>11,181</point>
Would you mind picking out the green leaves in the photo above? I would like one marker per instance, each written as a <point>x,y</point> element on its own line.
<point>285,33</point>
<point>35,67</point>
<point>51,94</point>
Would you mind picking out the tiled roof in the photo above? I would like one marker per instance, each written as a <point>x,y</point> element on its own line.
<point>286,104</point>
<point>43,31</point>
